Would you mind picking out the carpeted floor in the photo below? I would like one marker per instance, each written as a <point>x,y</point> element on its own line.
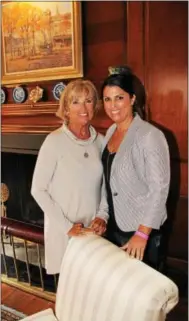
<point>8,314</point>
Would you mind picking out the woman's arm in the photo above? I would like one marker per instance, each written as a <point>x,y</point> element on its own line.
<point>103,206</point>
<point>157,170</point>
<point>43,174</point>
<point>157,166</point>
<point>137,244</point>
<point>100,221</point>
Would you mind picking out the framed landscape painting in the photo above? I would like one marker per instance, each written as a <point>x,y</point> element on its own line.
<point>41,41</point>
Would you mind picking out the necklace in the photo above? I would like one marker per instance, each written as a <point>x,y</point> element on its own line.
<point>81,142</point>
<point>86,152</point>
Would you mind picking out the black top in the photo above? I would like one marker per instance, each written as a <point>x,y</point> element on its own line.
<point>107,159</point>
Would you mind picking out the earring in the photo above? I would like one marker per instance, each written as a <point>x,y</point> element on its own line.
<point>66,118</point>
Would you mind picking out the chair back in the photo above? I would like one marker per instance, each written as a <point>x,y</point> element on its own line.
<point>100,282</point>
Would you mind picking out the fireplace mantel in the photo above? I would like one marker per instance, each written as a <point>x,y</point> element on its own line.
<point>29,118</point>
<point>40,118</point>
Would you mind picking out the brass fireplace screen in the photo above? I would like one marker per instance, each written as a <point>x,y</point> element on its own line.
<point>22,244</point>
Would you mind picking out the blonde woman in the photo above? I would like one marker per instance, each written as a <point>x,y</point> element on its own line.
<point>67,180</point>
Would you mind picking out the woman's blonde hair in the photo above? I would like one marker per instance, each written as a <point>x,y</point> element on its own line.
<point>74,88</point>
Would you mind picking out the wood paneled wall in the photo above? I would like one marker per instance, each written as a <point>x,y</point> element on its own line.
<point>162,64</point>
<point>104,34</point>
<point>151,37</point>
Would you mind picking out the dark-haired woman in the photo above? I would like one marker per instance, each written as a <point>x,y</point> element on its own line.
<point>137,172</point>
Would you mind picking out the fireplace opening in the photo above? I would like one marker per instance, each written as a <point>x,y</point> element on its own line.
<point>16,174</point>
<point>18,158</point>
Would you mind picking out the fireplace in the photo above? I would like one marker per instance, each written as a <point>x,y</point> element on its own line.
<point>19,154</point>
<point>22,253</point>
<point>17,171</point>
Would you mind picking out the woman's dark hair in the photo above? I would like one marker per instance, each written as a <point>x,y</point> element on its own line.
<point>124,81</point>
<point>124,78</point>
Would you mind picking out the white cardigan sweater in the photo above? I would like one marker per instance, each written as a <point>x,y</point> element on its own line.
<point>68,188</point>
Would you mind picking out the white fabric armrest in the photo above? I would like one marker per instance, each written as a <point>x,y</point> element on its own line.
<point>46,315</point>
<point>99,281</point>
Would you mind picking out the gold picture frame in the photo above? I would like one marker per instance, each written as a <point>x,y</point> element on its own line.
<point>41,41</point>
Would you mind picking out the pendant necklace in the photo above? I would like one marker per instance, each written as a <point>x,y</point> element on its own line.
<point>80,140</point>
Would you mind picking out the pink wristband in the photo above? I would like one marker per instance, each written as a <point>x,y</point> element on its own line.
<point>143,235</point>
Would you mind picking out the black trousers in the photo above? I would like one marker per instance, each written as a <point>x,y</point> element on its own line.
<point>153,255</point>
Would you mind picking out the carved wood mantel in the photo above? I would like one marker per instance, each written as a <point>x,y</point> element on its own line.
<point>29,118</point>
<point>39,118</point>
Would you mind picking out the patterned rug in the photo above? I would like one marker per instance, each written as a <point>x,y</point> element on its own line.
<point>9,314</point>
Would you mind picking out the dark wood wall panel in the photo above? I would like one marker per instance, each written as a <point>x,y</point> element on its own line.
<point>104,37</point>
<point>157,44</point>
<point>135,37</point>
<point>179,234</point>
<point>166,61</point>
<point>184,179</point>
<point>166,82</point>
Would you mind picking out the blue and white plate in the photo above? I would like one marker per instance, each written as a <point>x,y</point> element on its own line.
<point>19,94</point>
<point>58,89</point>
<point>3,96</point>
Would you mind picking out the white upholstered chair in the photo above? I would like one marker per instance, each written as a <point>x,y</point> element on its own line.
<point>100,282</point>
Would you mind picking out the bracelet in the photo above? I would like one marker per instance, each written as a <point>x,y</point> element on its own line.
<point>143,235</point>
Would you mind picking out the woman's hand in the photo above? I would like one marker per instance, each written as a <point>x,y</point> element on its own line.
<point>135,247</point>
<point>98,225</point>
<point>76,230</point>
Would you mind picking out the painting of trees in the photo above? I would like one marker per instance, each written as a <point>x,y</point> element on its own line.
<point>37,36</point>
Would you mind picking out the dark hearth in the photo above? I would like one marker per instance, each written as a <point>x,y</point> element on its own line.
<point>19,154</point>
<point>17,172</point>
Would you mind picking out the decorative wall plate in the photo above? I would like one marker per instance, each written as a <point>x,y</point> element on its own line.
<point>3,96</point>
<point>57,90</point>
<point>19,94</point>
